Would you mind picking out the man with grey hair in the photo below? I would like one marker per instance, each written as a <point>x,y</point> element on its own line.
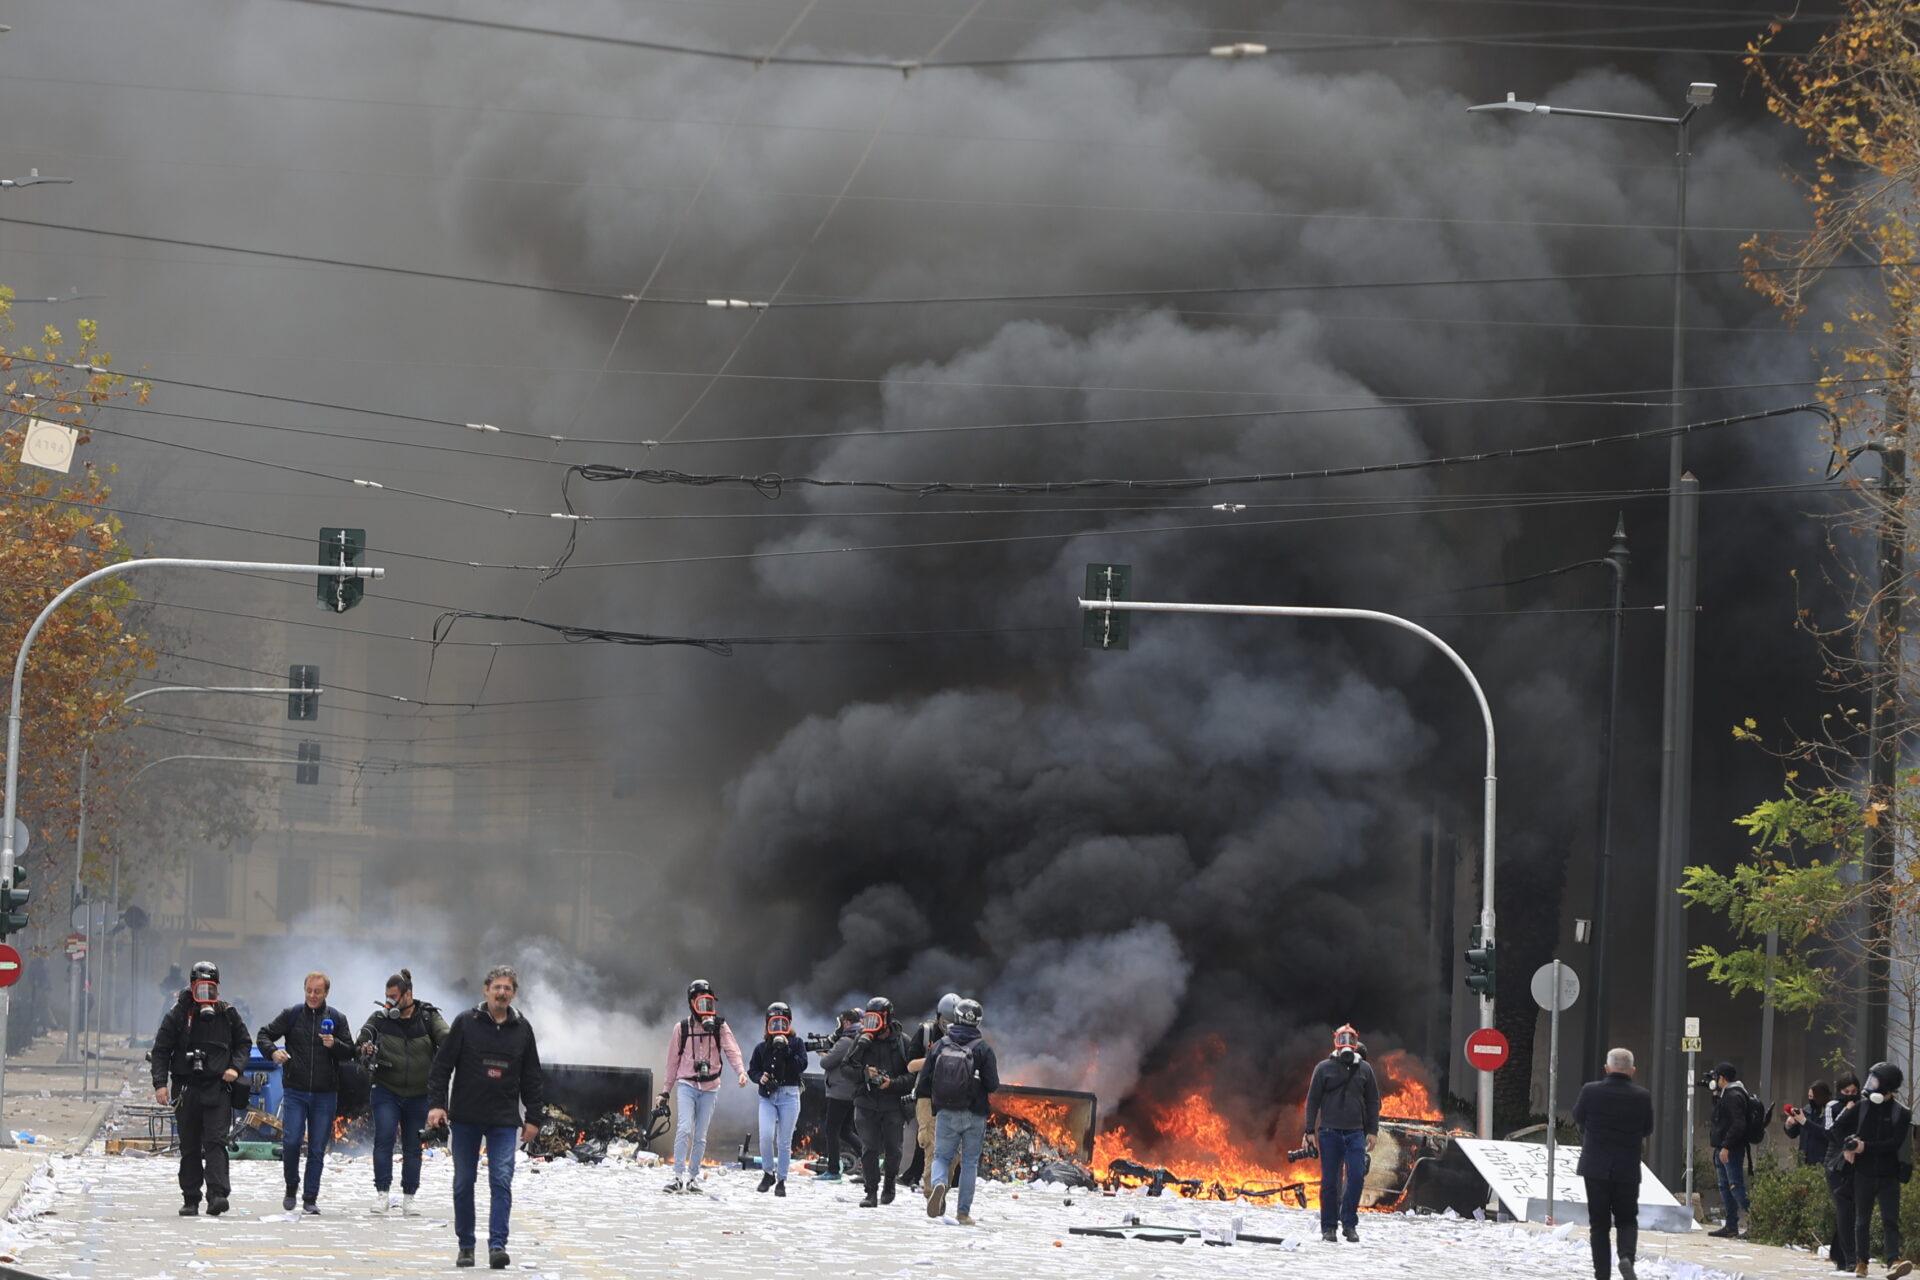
<point>486,1083</point>
<point>1615,1116</point>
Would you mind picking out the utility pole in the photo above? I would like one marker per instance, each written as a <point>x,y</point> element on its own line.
<point>1884,720</point>
<point>1617,559</point>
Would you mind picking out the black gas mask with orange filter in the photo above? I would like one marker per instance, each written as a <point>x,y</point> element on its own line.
<point>205,983</point>
<point>779,1020</point>
<point>1346,1046</point>
<point>878,1017</point>
<point>705,1007</point>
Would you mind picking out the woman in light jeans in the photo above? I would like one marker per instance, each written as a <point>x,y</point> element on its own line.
<point>779,1062</point>
<point>699,1044</point>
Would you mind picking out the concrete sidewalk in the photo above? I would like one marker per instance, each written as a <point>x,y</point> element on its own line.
<point>45,1099</point>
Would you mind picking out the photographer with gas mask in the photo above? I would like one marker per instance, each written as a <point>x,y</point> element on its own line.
<point>399,1041</point>
<point>1875,1137</point>
<point>779,1062</point>
<point>198,1053</point>
<point>1343,1118</point>
<point>879,1055</point>
<point>699,1043</point>
<point>843,1081</point>
<point>317,1043</point>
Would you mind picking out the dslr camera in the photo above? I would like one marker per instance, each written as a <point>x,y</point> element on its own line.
<point>1309,1151</point>
<point>196,1062</point>
<point>818,1043</point>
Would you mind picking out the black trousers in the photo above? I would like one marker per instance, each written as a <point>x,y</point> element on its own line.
<point>1840,1187</point>
<point>880,1132</point>
<point>204,1117</point>
<point>1868,1190</point>
<point>1612,1203</point>
<point>839,1128</point>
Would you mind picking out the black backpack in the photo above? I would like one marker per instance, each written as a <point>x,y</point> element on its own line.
<point>1759,1116</point>
<point>952,1074</point>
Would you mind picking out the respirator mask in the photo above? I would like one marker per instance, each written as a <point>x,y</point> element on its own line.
<point>706,1008</point>
<point>206,991</point>
<point>873,1022</point>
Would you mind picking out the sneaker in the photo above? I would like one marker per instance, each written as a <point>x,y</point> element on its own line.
<point>1352,1234</point>
<point>498,1259</point>
<point>828,1176</point>
<point>381,1202</point>
<point>1727,1232</point>
<point>288,1201</point>
<point>1895,1270</point>
<point>695,1187</point>
<point>1330,1236</point>
<point>675,1187</point>
<point>766,1182</point>
<point>780,1188</point>
<point>311,1207</point>
<point>869,1202</point>
<point>936,1199</point>
<point>964,1220</point>
<point>216,1205</point>
<point>191,1209</point>
<point>464,1258</point>
<point>407,1206</point>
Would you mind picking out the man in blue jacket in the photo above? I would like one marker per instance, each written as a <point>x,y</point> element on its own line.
<point>1343,1118</point>
<point>318,1039</point>
<point>1615,1116</point>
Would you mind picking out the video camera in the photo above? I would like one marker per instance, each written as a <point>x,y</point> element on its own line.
<point>819,1043</point>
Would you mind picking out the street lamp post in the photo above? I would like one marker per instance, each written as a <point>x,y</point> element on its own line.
<point>1489,795</point>
<point>15,715</point>
<point>1676,733</point>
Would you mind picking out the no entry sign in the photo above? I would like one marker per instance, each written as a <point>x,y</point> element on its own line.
<point>1487,1050</point>
<point>9,966</point>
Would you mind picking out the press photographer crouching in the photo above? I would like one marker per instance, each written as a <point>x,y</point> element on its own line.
<point>197,1055</point>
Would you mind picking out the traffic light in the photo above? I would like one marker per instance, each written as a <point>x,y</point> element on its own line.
<point>307,771</point>
<point>1106,628</point>
<point>13,902</point>
<point>1479,965</point>
<point>343,547</point>
<point>303,706</point>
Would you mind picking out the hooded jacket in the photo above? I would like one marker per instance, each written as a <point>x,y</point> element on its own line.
<point>404,1047</point>
<point>986,1068</point>
<point>487,1071</point>
<point>188,1026</point>
<point>1343,1097</point>
<point>311,1067</point>
<point>888,1056</point>
<point>1881,1126</point>
<point>1728,1128</point>
<point>843,1078</point>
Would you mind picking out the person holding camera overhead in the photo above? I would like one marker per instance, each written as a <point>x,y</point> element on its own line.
<point>694,1052</point>
<point>310,1074</point>
<point>197,1055</point>
<point>779,1062</point>
<point>1875,1137</point>
<point>1343,1118</point>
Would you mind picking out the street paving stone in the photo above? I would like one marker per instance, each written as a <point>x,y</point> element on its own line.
<point>114,1216</point>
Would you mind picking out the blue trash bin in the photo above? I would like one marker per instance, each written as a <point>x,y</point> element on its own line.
<point>268,1087</point>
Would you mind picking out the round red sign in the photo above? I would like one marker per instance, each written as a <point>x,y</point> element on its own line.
<point>9,966</point>
<point>1487,1050</point>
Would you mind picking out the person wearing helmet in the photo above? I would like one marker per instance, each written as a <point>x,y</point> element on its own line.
<point>923,1040</point>
<point>1343,1118</point>
<point>197,1056</point>
<point>879,1053</point>
<point>959,1080</point>
<point>1875,1138</point>
<point>779,1062</point>
<point>1727,1136</point>
<point>699,1043</point>
<point>843,1081</point>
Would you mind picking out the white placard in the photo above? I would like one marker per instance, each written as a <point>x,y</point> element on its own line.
<point>49,445</point>
<point>1517,1172</point>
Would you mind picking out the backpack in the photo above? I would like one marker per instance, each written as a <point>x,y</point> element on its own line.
<point>952,1073</point>
<point>1759,1116</point>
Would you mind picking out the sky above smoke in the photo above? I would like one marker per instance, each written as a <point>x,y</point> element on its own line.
<point>1217,828</point>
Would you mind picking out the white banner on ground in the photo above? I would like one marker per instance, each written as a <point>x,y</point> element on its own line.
<point>1517,1172</point>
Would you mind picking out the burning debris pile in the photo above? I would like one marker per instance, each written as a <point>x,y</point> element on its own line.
<point>1026,1134</point>
<point>561,1135</point>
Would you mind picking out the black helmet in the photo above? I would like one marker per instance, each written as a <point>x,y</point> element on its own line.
<point>701,1001</point>
<point>1887,1076</point>
<point>205,971</point>
<point>780,1007</point>
<point>879,1004</point>
<point>699,987</point>
<point>967,1013</point>
<point>878,1019</point>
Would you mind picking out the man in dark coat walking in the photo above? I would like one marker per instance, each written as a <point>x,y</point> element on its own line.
<point>1615,1116</point>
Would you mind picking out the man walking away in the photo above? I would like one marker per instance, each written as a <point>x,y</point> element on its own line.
<point>1877,1137</point>
<point>959,1080</point>
<point>399,1041</point>
<point>1727,1135</point>
<point>1615,1116</point>
<point>1343,1118</point>
<point>924,1037</point>
<point>310,1076</point>
<point>197,1055</point>
<point>486,1083</point>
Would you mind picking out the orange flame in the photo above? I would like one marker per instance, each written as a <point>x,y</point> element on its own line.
<point>1049,1118</point>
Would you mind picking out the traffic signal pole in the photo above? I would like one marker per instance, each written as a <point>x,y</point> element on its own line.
<point>1483,1124</point>
<point>14,712</point>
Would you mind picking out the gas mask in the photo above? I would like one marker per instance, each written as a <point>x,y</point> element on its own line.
<point>1346,1045</point>
<point>873,1022</point>
<point>1874,1093</point>
<point>206,991</point>
<point>779,1024</point>
<point>706,1008</point>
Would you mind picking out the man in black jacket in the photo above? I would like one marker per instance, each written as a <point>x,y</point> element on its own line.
<point>959,1080</point>
<point>310,1083</point>
<point>197,1056</point>
<point>1727,1135</point>
<point>1615,1116</point>
<point>486,1082</point>
<point>880,1056</point>
<point>1876,1135</point>
<point>1343,1118</point>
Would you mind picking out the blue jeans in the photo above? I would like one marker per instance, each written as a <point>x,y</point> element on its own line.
<point>694,1107</point>
<point>309,1116</point>
<point>465,1143</point>
<point>1343,1171</point>
<point>962,1132</point>
<point>1733,1182</point>
<point>777,1117</point>
<point>402,1118</point>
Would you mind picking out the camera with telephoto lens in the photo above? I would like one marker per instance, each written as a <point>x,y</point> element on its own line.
<point>819,1043</point>
<point>196,1062</point>
<point>1308,1152</point>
